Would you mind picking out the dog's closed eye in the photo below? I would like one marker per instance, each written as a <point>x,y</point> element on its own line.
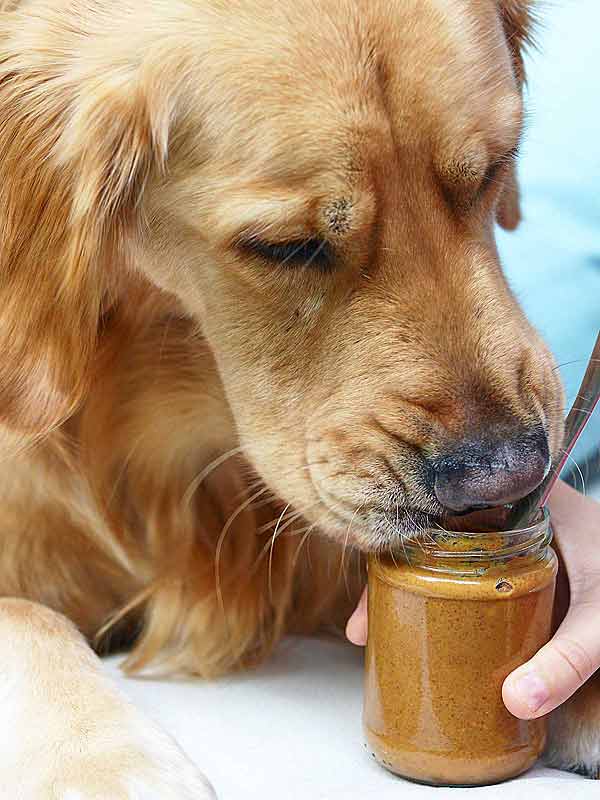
<point>315,253</point>
<point>467,184</point>
<point>491,175</point>
<point>496,170</point>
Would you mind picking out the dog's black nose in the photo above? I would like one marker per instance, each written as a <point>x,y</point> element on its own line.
<point>484,473</point>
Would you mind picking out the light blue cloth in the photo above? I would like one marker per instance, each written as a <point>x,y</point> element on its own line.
<point>553,259</point>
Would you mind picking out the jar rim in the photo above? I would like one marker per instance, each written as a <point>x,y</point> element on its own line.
<point>513,543</point>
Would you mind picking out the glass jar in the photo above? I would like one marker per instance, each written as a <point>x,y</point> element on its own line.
<point>448,621</point>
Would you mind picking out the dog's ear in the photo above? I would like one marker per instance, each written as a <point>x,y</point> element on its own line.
<point>518,23</point>
<point>74,158</point>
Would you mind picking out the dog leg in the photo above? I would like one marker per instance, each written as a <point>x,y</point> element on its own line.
<point>574,740</point>
<point>69,733</point>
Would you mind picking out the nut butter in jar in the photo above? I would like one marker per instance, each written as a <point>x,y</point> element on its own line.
<point>449,619</point>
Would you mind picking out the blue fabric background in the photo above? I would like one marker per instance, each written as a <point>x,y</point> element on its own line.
<point>553,259</point>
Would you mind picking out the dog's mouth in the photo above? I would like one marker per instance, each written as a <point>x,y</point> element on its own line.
<point>386,519</point>
<point>390,530</point>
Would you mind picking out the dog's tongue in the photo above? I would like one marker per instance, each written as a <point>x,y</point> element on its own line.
<point>488,520</point>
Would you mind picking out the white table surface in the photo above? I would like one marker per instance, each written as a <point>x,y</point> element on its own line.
<point>292,731</point>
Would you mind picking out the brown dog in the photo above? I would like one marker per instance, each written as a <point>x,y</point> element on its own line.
<point>248,288</point>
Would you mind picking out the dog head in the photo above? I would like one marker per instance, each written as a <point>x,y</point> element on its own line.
<point>317,184</point>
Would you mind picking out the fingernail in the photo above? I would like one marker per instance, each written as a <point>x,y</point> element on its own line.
<point>532,690</point>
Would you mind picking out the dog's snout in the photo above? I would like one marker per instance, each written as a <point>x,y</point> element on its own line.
<point>484,473</point>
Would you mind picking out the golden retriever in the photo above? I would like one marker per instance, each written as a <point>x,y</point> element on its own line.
<point>252,324</point>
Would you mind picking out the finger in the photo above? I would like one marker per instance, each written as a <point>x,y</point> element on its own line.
<point>558,669</point>
<point>356,629</point>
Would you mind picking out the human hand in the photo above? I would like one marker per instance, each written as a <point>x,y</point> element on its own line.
<point>573,654</point>
<point>356,629</point>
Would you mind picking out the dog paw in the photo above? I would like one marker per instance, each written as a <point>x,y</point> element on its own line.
<point>92,745</point>
<point>574,738</point>
<point>67,732</point>
<point>136,762</point>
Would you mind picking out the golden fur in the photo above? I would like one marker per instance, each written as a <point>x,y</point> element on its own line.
<point>191,435</point>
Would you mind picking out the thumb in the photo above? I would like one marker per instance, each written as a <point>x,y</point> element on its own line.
<point>558,669</point>
<point>356,629</point>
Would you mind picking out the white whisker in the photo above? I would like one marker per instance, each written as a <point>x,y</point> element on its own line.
<point>270,569</point>
<point>197,481</point>
<point>570,458</point>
